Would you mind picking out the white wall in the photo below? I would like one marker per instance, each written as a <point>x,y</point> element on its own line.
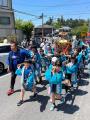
<point>20,35</point>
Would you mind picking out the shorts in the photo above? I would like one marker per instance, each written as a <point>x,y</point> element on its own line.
<point>26,87</point>
<point>56,88</point>
<point>68,76</point>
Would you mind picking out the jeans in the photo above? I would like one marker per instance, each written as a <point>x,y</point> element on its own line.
<point>13,78</point>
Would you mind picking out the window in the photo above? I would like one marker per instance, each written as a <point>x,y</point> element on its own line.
<point>5,49</point>
<point>5,20</point>
<point>4,2</point>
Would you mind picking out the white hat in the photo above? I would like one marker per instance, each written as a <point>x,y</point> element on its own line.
<point>54,59</point>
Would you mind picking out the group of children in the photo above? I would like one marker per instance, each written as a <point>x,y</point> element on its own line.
<point>60,70</point>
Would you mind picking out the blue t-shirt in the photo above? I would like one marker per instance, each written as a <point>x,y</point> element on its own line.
<point>16,58</point>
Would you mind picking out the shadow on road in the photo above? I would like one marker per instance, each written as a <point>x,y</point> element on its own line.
<point>70,108</point>
<point>17,91</point>
<point>83,82</point>
<point>40,89</point>
<point>43,100</point>
<point>67,108</point>
<point>86,75</point>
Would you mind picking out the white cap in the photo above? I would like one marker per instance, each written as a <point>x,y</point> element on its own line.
<point>54,59</point>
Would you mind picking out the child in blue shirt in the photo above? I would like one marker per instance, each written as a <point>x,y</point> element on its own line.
<point>37,64</point>
<point>71,73</point>
<point>54,76</point>
<point>27,80</point>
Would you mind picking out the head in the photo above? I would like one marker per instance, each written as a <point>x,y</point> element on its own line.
<point>41,51</point>
<point>73,59</point>
<point>14,45</point>
<point>34,49</point>
<point>27,63</point>
<point>54,60</point>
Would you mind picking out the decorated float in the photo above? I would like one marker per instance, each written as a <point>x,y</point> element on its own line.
<point>63,46</point>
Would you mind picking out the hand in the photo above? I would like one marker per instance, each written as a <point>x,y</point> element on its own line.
<point>33,60</point>
<point>19,65</point>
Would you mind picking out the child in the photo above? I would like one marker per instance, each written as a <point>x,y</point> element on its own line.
<point>71,73</point>
<point>27,80</point>
<point>37,64</point>
<point>54,75</point>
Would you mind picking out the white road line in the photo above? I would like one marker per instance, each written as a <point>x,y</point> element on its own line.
<point>5,75</point>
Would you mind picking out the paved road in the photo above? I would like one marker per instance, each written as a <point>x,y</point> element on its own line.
<point>77,106</point>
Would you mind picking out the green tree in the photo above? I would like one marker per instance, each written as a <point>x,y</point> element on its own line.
<point>50,21</point>
<point>25,26</point>
<point>27,29</point>
<point>80,30</point>
<point>56,24</point>
<point>18,24</point>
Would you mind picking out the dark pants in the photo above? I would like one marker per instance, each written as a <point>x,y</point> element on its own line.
<point>68,76</point>
<point>13,78</point>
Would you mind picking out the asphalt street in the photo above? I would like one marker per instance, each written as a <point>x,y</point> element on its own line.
<point>76,107</point>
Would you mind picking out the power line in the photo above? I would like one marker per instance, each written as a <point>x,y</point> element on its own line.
<point>22,12</point>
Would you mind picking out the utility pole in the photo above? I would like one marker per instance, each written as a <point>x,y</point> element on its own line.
<point>42,16</point>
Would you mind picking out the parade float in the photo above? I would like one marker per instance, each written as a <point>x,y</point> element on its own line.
<point>63,46</point>
<point>87,39</point>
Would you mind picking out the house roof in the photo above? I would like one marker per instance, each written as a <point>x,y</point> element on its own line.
<point>44,26</point>
<point>65,28</point>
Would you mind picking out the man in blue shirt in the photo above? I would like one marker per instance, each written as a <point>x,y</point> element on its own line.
<point>16,56</point>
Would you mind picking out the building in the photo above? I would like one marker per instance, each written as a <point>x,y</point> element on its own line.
<point>7,26</point>
<point>65,29</point>
<point>47,30</point>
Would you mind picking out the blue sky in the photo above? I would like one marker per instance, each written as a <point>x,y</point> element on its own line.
<point>56,8</point>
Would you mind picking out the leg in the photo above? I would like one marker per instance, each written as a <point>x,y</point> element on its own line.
<point>13,77</point>
<point>35,91</point>
<point>53,91</point>
<point>11,90</point>
<point>21,97</point>
<point>22,94</point>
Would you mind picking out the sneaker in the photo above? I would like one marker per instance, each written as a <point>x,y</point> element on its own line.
<point>10,92</point>
<point>20,103</point>
<point>52,107</point>
<point>62,99</point>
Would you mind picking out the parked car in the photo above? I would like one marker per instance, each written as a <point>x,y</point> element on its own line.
<point>4,52</point>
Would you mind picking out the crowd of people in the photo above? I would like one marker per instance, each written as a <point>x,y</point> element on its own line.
<point>61,71</point>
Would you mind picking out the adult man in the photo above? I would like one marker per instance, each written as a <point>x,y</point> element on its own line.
<point>16,56</point>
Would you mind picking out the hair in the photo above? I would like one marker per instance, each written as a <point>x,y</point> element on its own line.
<point>28,61</point>
<point>75,60</point>
<point>58,63</point>
<point>14,42</point>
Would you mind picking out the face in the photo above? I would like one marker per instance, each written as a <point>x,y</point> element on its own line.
<point>53,63</point>
<point>34,50</point>
<point>41,52</point>
<point>26,65</point>
<point>13,47</point>
<point>72,60</point>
